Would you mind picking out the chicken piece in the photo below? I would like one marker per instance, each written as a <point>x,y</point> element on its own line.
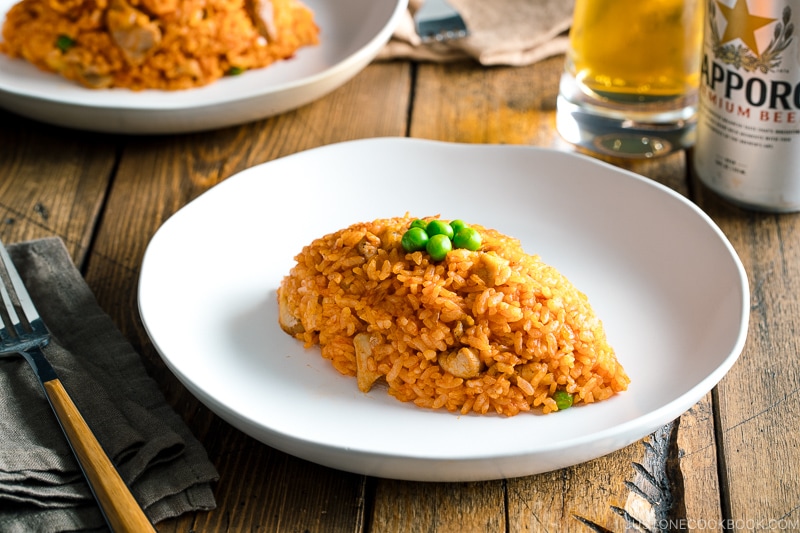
<point>72,68</point>
<point>88,77</point>
<point>492,269</point>
<point>367,248</point>
<point>289,323</point>
<point>391,239</point>
<point>132,30</point>
<point>526,371</point>
<point>463,363</point>
<point>262,12</point>
<point>363,343</point>
<point>159,7</point>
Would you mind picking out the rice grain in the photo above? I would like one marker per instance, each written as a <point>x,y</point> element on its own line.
<point>525,328</point>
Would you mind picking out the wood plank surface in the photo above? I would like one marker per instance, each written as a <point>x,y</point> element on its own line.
<point>758,411</point>
<point>440,507</point>
<point>52,182</point>
<point>729,463</point>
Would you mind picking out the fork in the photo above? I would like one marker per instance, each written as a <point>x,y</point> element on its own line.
<point>24,333</point>
<point>438,21</point>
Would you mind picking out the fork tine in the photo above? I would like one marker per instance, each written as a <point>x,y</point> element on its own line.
<point>5,334</point>
<point>13,328</point>
<point>25,302</point>
<point>437,20</point>
<point>442,30</point>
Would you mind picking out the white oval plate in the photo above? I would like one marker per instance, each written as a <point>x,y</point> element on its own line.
<point>667,284</point>
<point>352,32</point>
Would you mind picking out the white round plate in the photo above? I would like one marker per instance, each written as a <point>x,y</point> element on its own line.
<point>668,286</point>
<point>352,32</point>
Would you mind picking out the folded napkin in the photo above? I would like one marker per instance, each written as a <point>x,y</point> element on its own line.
<point>41,486</point>
<point>502,32</point>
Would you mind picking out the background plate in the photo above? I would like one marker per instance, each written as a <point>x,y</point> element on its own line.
<point>664,280</point>
<point>352,32</point>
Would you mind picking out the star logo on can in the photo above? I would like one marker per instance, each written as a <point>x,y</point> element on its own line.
<point>741,24</point>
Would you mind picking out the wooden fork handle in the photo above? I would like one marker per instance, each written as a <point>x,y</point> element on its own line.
<point>122,511</point>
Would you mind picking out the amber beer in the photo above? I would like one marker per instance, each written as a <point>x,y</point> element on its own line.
<point>632,73</point>
<point>635,48</point>
<point>748,131</point>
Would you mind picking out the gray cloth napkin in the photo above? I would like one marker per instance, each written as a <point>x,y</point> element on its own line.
<point>41,486</point>
<point>502,32</point>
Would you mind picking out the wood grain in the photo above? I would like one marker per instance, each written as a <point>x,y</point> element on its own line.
<point>460,103</point>
<point>440,507</point>
<point>52,182</point>
<point>759,415</point>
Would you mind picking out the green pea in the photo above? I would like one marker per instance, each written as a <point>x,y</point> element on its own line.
<point>235,71</point>
<point>439,227</point>
<point>414,239</point>
<point>457,225</point>
<point>419,224</point>
<point>563,399</point>
<point>438,246</point>
<point>64,42</point>
<point>468,238</point>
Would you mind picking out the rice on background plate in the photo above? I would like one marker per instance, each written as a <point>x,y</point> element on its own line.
<point>155,44</point>
<point>493,330</point>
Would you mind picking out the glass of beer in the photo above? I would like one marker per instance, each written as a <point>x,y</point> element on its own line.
<point>630,86</point>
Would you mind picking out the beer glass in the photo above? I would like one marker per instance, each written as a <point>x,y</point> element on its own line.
<point>630,85</point>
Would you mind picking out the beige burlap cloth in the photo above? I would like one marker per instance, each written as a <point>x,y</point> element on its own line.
<point>502,32</point>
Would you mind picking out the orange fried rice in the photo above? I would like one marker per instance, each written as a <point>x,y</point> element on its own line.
<point>489,331</point>
<point>155,44</point>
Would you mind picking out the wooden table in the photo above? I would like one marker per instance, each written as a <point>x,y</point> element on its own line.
<point>730,461</point>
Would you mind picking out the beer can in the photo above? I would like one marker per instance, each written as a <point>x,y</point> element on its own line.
<point>748,130</point>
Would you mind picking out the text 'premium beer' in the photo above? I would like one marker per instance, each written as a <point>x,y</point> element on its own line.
<point>748,130</point>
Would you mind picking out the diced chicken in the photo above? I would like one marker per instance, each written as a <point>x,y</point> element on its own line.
<point>363,343</point>
<point>492,269</point>
<point>190,68</point>
<point>391,239</point>
<point>526,371</point>
<point>93,79</point>
<point>366,248</point>
<point>463,363</point>
<point>263,14</point>
<point>71,68</point>
<point>132,30</point>
<point>159,7</point>
<point>289,323</point>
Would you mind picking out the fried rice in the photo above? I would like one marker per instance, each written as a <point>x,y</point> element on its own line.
<point>155,44</point>
<point>489,331</point>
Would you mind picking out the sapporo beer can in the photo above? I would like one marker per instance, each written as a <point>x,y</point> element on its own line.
<point>748,131</point>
